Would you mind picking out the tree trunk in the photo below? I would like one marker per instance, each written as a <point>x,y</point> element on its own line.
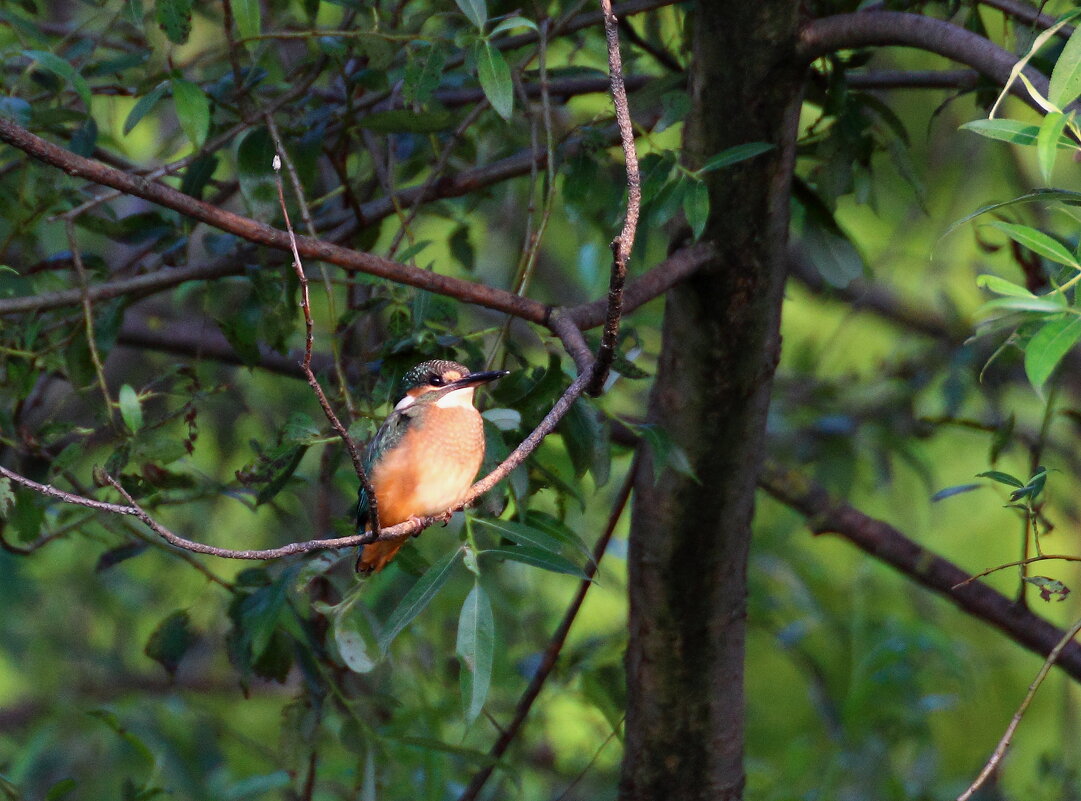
<point>689,538</point>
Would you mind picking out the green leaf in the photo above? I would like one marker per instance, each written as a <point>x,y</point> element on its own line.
<point>558,530</point>
<point>1044,304</point>
<point>406,121</point>
<point>523,534</point>
<point>131,409</point>
<point>734,155</point>
<point>63,70</point>
<point>1065,84</point>
<point>1036,196</point>
<point>192,110</point>
<point>1002,478</point>
<point>495,80</point>
<point>1048,347</point>
<point>143,107</point>
<point>1012,131</point>
<point>1047,142</point>
<point>254,160</point>
<point>174,17</point>
<point>696,206</point>
<point>418,597</point>
<point>171,640</point>
<point>248,17</point>
<point>536,557</point>
<point>475,10</point>
<point>1038,242</point>
<point>510,23</point>
<point>423,74</point>
<point>475,647</point>
<point>1000,286</point>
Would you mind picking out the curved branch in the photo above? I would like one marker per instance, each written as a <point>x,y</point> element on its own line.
<point>881,540</point>
<point>863,29</point>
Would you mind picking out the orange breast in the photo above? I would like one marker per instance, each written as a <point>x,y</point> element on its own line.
<point>432,467</point>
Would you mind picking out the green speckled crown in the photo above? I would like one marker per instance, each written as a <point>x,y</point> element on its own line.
<point>422,374</point>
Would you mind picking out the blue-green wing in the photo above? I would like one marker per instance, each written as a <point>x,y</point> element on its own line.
<point>392,430</point>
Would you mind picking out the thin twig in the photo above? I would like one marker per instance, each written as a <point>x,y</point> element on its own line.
<point>555,643</point>
<point>88,317</point>
<point>1018,563</point>
<point>623,244</point>
<point>306,364</point>
<point>1004,743</point>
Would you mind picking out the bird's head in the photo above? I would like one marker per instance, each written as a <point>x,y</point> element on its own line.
<point>444,383</point>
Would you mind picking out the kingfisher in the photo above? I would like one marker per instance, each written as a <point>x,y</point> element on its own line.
<point>423,459</point>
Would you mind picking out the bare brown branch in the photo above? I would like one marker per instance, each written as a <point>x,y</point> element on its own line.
<point>622,245</point>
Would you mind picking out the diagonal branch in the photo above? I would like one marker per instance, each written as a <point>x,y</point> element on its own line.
<point>881,540</point>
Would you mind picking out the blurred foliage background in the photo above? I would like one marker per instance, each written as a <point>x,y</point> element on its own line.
<point>129,669</point>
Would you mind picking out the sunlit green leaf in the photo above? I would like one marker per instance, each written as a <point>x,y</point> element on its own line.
<point>1038,242</point>
<point>130,408</point>
<point>1047,142</point>
<point>1002,478</point>
<point>1049,346</point>
<point>174,17</point>
<point>248,16</point>
<point>1000,286</point>
<point>1065,83</point>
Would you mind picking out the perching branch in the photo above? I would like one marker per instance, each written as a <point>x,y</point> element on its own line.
<point>881,540</point>
<point>623,244</point>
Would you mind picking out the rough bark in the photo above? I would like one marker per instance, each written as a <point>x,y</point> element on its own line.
<point>689,538</point>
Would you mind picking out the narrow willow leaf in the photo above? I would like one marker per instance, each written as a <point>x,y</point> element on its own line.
<point>536,557</point>
<point>522,534</point>
<point>475,10</point>
<point>1013,131</point>
<point>1002,478</point>
<point>62,69</point>
<point>130,409</point>
<point>418,597</point>
<point>1000,286</point>
<point>696,206</point>
<point>734,155</point>
<point>1065,84</point>
<point>510,23</point>
<point>1037,196</point>
<point>1047,142</point>
<point>494,76</point>
<point>1044,304</point>
<point>143,106</point>
<point>1038,242</point>
<point>192,110</point>
<point>1048,347</point>
<point>248,16</point>
<point>475,646</point>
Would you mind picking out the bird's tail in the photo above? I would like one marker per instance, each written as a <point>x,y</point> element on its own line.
<point>375,557</point>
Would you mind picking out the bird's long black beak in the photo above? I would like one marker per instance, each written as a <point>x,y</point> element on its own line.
<point>476,379</point>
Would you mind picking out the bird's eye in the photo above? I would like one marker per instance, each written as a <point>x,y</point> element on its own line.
<point>436,380</point>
